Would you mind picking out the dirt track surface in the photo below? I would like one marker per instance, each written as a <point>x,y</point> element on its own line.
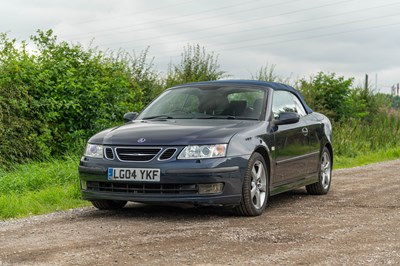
<point>357,223</point>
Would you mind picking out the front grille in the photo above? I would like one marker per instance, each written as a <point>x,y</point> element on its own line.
<point>137,154</point>
<point>167,154</point>
<point>109,153</point>
<point>129,188</point>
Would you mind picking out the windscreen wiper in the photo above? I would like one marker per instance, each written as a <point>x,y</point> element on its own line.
<point>216,117</point>
<point>158,117</point>
<point>226,117</point>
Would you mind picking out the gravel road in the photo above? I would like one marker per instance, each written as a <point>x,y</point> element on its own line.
<point>357,223</point>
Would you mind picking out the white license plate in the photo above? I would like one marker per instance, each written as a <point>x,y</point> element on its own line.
<point>134,174</point>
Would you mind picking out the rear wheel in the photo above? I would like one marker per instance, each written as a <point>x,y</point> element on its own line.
<point>108,204</point>
<point>255,187</point>
<point>325,174</point>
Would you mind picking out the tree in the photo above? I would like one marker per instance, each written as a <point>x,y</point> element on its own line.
<point>147,80</point>
<point>196,65</point>
<point>266,73</point>
<point>335,97</point>
<point>329,94</point>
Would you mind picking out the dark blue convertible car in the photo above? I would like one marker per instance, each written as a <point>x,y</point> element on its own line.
<point>224,143</point>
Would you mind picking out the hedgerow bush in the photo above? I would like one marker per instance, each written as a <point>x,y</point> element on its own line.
<point>60,94</point>
<point>54,95</point>
<point>363,121</point>
<point>23,133</point>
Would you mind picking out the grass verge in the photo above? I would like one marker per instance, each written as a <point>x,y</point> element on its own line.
<point>40,187</point>
<point>366,158</point>
<point>50,199</point>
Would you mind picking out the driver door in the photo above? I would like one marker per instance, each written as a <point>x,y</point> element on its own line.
<point>291,140</point>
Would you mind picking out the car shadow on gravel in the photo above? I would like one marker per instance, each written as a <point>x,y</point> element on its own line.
<point>163,212</point>
<point>288,198</point>
<point>184,211</point>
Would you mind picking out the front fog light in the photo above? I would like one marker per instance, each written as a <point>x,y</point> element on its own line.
<point>210,188</point>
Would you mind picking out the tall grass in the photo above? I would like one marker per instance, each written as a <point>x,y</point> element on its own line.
<point>40,187</point>
<point>357,139</point>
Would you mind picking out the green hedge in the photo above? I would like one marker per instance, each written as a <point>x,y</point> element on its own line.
<point>58,96</point>
<point>55,95</point>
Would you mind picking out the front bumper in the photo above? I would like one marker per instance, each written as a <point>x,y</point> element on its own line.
<point>179,181</point>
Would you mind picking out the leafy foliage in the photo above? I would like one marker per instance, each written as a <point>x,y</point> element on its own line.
<point>266,73</point>
<point>146,80</point>
<point>336,97</point>
<point>196,65</point>
<point>329,94</point>
<point>23,134</point>
<point>362,121</point>
<point>59,96</point>
<point>53,99</point>
<point>395,100</point>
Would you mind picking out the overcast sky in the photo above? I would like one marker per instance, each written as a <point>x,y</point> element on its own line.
<point>300,37</point>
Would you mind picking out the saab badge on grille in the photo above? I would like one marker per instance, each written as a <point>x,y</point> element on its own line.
<point>141,140</point>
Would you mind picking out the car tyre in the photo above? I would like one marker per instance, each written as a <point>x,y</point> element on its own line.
<point>325,175</point>
<point>255,190</point>
<point>108,204</point>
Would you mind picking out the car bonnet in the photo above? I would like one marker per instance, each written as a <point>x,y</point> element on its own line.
<point>173,132</point>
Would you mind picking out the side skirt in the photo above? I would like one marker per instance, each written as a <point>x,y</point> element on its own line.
<point>280,188</point>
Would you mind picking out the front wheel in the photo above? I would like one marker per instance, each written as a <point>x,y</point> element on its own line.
<point>325,174</point>
<point>108,204</point>
<point>255,189</point>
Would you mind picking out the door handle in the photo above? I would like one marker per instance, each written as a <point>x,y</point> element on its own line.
<point>304,130</point>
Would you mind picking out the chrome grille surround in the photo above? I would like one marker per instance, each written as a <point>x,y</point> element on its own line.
<point>137,154</point>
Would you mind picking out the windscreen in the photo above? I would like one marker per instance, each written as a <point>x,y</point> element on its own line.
<point>224,102</point>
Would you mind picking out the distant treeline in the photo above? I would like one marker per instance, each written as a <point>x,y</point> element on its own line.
<point>52,98</point>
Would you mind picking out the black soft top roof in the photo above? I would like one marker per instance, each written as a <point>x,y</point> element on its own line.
<point>272,85</point>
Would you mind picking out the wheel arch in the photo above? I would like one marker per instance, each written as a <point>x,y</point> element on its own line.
<point>265,154</point>
<point>328,145</point>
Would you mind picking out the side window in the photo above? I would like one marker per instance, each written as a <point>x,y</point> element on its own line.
<point>285,101</point>
<point>245,103</point>
<point>299,107</point>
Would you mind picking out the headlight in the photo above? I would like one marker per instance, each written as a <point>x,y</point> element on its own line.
<point>203,151</point>
<point>94,150</point>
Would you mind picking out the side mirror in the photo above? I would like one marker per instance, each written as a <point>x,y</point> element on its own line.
<point>287,118</point>
<point>130,116</point>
